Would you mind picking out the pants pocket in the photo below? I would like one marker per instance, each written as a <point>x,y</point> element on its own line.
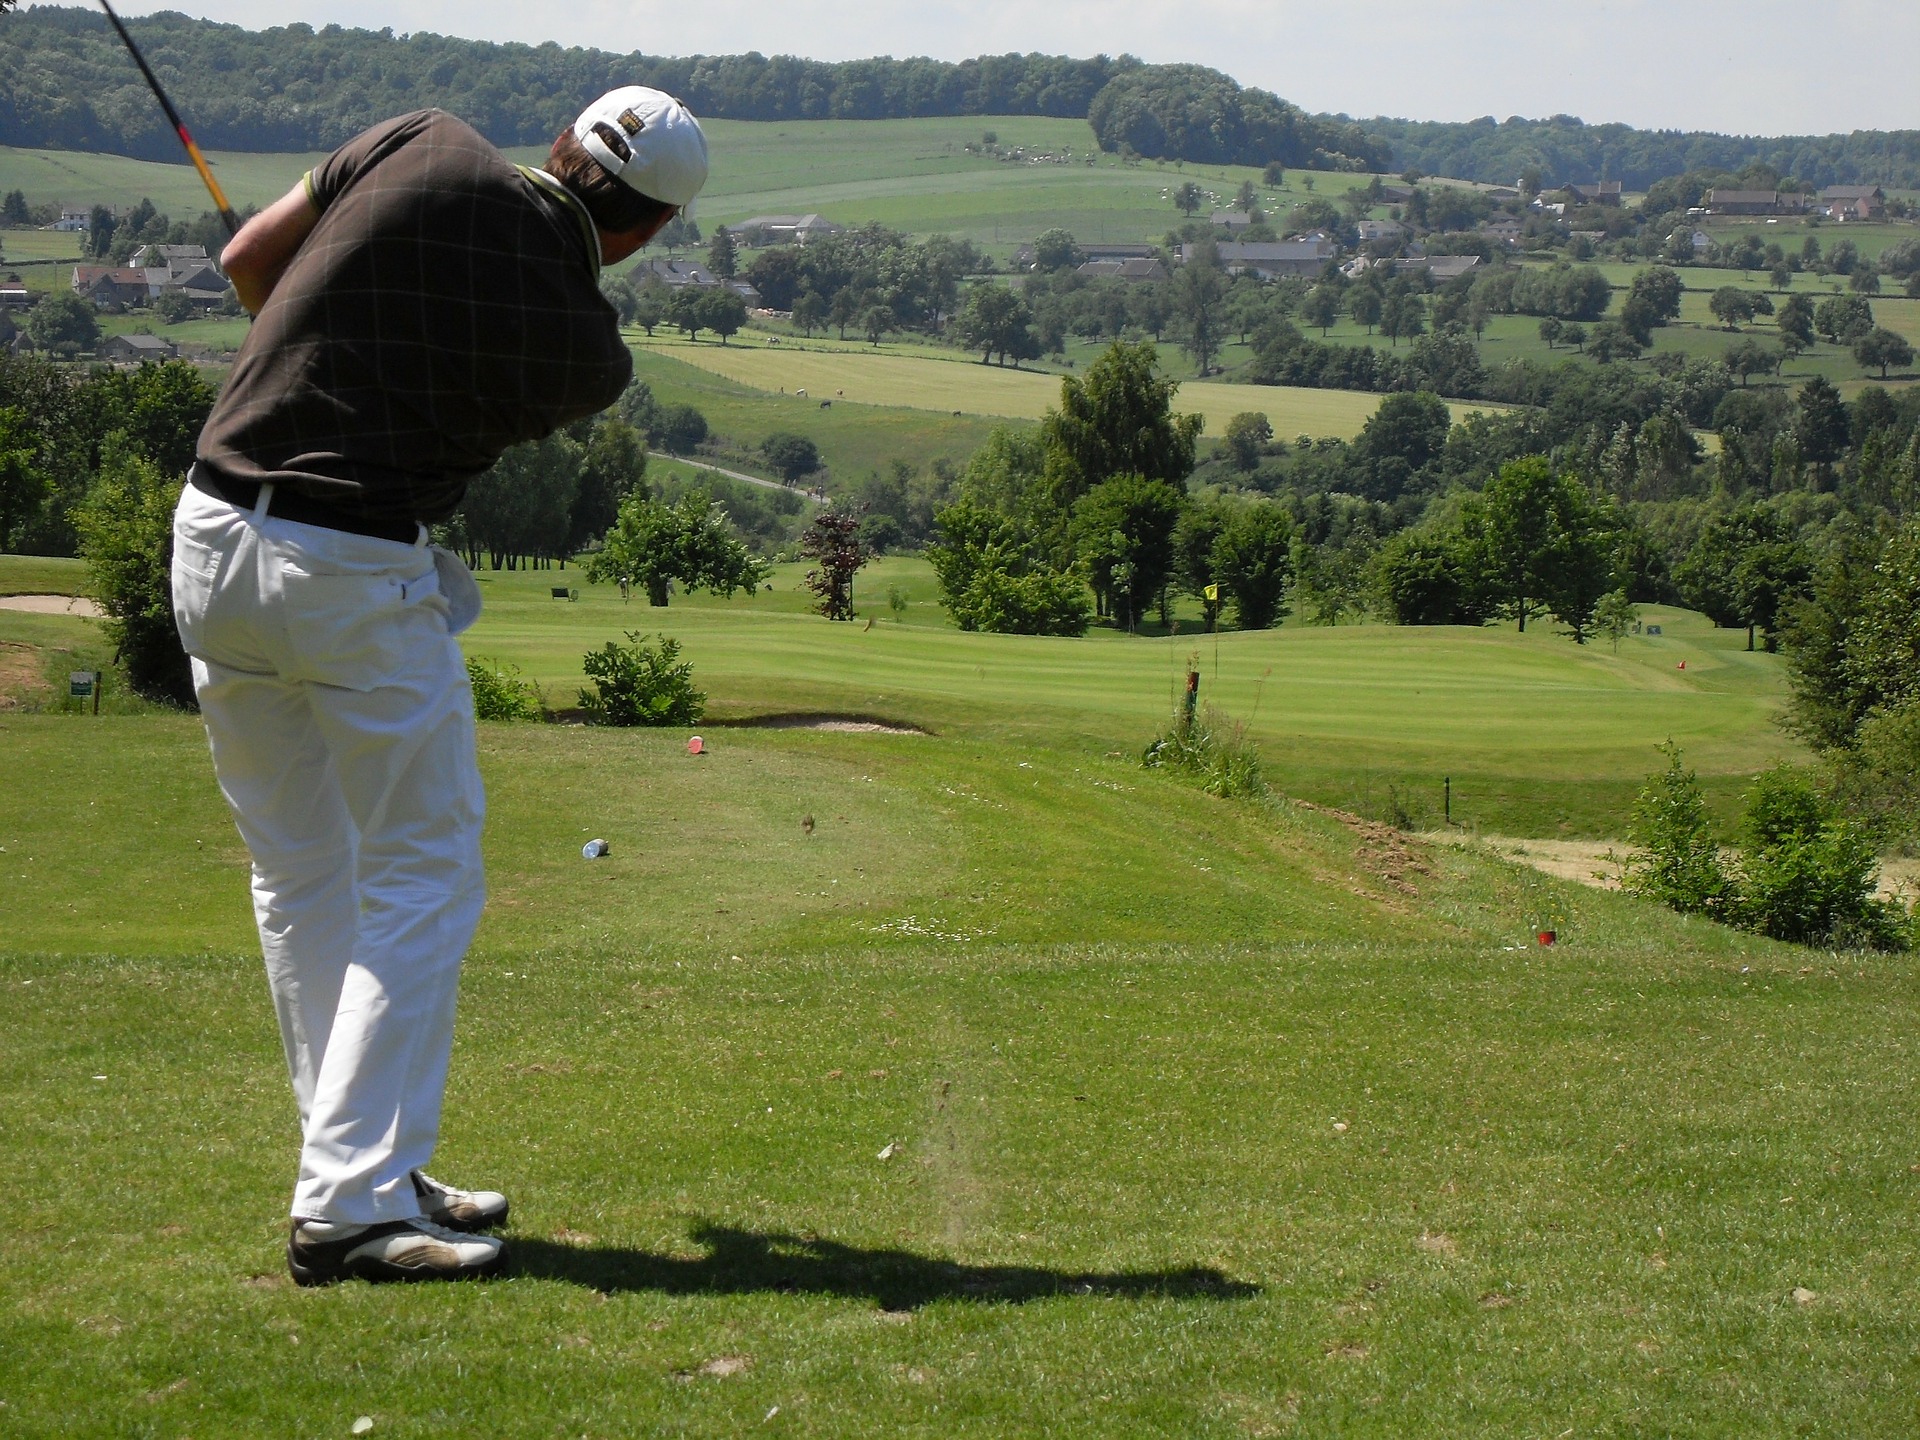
<point>360,632</point>
<point>195,571</point>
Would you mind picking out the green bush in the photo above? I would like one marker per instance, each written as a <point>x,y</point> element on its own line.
<point>1212,750</point>
<point>1040,602</point>
<point>640,684</point>
<point>126,538</point>
<point>1877,778</point>
<point>1805,875</point>
<point>1679,860</point>
<point>500,694</point>
<point>1809,876</point>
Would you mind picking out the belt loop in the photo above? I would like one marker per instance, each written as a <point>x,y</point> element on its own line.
<point>260,505</point>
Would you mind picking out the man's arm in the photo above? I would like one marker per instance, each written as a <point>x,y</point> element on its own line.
<point>256,258</point>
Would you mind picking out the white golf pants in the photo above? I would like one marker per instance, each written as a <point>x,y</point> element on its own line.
<point>341,721</point>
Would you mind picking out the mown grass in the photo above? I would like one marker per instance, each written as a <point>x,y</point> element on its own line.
<point>1201,1117</point>
<point>1203,1121</point>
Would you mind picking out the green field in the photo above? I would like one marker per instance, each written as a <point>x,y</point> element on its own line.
<point>949,383</point>
<point>1202,1118</point>
<point>914,174</point>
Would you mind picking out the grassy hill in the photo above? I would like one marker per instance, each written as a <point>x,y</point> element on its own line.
<point>1200,1117</point>
<point>914,174</point>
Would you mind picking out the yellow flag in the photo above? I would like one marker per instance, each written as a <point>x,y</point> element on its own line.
<point>1213,592</point>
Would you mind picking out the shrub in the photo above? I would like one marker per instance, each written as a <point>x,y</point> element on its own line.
<point>1808,876</point>
<point>1213,750</point>
<point>1679,860</point>
<point>500,694</point>
<point>126,538</point>
<point>640,684</point>
<point>1040,602</point>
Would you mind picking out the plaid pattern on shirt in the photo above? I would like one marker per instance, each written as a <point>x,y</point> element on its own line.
<point>445,307</point>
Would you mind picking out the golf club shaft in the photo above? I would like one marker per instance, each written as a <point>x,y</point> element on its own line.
<point>231,220</point>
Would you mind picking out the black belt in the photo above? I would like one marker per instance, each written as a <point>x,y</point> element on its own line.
<point>289,504</point>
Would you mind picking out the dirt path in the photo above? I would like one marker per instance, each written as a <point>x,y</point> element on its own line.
<point>1588,862</point>
<point>51,605</point>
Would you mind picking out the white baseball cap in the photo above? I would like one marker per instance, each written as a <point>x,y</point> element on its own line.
<point>650,140</point>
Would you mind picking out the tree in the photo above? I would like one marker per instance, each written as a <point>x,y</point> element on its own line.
<point>996,320</point>
<point>63,321</point>
<point>810,313</point>
<point>1055,250</point>
<point>1123,535</point>
<point>876,321</point>
<point>1611,342</point>
<point>1732,306</point>
<point>1274,175</point>
<point>1365,305</point>
<point>1401,438</point>
<point>522,506</point>
<point>836,545</point>
<point>13,210</point>
<point>1253,562</point>
<point>1781,276</point>
<point>1864,282</point>
<point>1822,427</point>
<point>1794,322</point>
<point>650,303</point>
<point>1548,542</point>
<point>1321,307</point>
<point>1843,319</point>
<point>721,310</point>
<point>1615,616</point>
<point>1752,357</point>
<point>1246,435</point>
<point>1552,327</point>
<point>24,485</point>
<point>612,467</point>
<point>1198,289</point>
<point>723,255</point>
<point>691,544</point>
<point>1188,198</point>
<point>1404,316</point>
<point>172,306</point>
<point>791,456</point>
<point>1659,289</point>
<point>1882,347</point>
<point>1117,420</point>
<point>679,430</point>
<point>1430,578</point>
<point>1745,569</point>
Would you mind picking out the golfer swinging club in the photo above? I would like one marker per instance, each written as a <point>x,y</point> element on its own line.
<point>423,304</point>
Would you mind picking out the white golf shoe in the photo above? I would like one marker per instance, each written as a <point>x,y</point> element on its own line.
<point>453,1209</point>
<point>319,1252</point>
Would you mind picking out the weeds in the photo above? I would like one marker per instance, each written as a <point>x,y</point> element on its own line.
<point>1213,750</point>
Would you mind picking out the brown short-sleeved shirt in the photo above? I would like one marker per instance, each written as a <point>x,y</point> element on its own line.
<point>445,307</point>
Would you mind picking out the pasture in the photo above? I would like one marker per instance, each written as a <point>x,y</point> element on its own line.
<point>954,384</point>
<point>913,174</point>
<point>1198,1117</point>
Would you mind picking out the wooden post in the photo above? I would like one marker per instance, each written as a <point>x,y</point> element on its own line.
<point>1193,693</point>
<point>1449,785</point>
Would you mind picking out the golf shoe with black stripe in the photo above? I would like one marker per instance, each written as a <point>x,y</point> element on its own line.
<point>319,1253</point>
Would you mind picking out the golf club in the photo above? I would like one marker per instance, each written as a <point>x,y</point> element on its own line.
<point>179,126</point>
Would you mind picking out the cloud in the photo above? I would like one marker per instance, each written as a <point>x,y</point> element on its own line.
<point>1766,67</point>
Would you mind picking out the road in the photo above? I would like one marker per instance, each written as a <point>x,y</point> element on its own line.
<point>813,495</point>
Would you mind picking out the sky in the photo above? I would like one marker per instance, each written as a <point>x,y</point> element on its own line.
<point>1758,67</point>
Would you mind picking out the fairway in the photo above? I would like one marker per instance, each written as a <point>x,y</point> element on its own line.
<point>963,386</point>
<point>980,1082</point>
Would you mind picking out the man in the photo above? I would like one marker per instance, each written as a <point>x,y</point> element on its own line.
<point>422,304</point>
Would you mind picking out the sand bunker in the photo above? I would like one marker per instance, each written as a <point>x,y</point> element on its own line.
<point>843,724</point>
<point>51,605</point>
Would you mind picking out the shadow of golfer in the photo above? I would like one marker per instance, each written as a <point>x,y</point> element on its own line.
<point>741,1262</point>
